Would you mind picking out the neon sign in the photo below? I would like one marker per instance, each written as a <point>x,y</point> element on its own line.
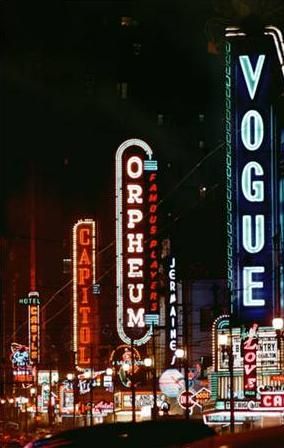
<point>172,311</point>
<point>136,241</point>
<point>83,280</point>
<point>34,326</point>
<point>252,193</point>
<point>250,361</point>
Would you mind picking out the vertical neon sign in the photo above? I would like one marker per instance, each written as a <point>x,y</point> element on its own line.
<point>136,241</point>
<point>251,158</point>
<point>84,268</point>
<point>172,312</point>
<point>34,327</point>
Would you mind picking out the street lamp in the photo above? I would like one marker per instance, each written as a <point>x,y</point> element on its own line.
<point>278,324</point>
<point>33,392</point>
<point>150,363</point>
<point>127,367</point>
<point>226,341</point>
<point>71,377</point>
<point>111,372</point>
<point>181,355</point>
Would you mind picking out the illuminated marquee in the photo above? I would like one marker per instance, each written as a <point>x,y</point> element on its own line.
<point>136,241</point>
<point>252,193</point>
<point>269,400</point>
<point>83,300</point>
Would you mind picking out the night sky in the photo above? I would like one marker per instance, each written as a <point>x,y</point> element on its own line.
<point>62,62</point>
<point>62,121</point>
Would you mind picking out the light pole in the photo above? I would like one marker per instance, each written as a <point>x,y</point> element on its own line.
<point>181,355</point>
<point>111,372</point>
<point>33,392</point>
<point>129,367</point>
<point>150,363</point>
<point>71,379</point>
<point>226,341</point>
<point>278,324</point>
<point>133,394</point>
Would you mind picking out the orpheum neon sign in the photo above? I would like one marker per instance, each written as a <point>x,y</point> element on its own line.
<point>83,302</point>
<point>136,241</point>
<point>252,195</point>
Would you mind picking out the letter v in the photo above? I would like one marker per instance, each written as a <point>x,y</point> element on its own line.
<point>251,77</point>
<point>249,368</point>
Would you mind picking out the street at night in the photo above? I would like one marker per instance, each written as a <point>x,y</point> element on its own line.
<point>141,224</point>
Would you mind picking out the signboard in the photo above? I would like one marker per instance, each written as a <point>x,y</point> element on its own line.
<point>20,359</point>
<point>85,341</point>
<point>34,326</point>
<point>194,398</point>
<point>137,263</point>
<point>252,178</point>
<point>171,382</point>
<point>249,354</point>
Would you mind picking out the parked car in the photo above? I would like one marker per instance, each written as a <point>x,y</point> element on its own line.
<point>164,433</point>
<point>270,437</point>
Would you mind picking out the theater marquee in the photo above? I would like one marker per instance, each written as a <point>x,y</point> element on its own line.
<point>136,242</point>
<point>84,264</point>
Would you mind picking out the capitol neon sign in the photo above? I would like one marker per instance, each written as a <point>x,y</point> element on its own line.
<point>83,279</point>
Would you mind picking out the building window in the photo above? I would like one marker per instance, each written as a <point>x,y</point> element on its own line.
<point>206,318</point>
<point>160,119</point>
<point>136,48</point>
<point>127,21</point>
<point>122,88</point>
<point>67,265</point>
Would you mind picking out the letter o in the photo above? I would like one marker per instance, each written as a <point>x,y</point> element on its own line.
<point>250,357</point>
<point>252,119</point>
<point>134,167</point>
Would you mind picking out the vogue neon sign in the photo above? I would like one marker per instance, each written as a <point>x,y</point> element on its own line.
<point>252,193</point>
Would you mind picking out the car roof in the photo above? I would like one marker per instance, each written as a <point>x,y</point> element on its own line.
<point>161,433</point>
<point>269,437</point>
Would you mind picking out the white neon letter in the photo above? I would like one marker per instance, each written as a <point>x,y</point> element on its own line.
<point>251,77</point>
<point>135,242</point>
<point>252,120</point>
<point>253,190</point>
<point>249,285</point>
<point>137,319</point>
<point>134,264</point>
<point>139,288</point>
<point>134,216</point>
<point>134,194</point>
<point>258,233</point>
<point>134,167</point>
